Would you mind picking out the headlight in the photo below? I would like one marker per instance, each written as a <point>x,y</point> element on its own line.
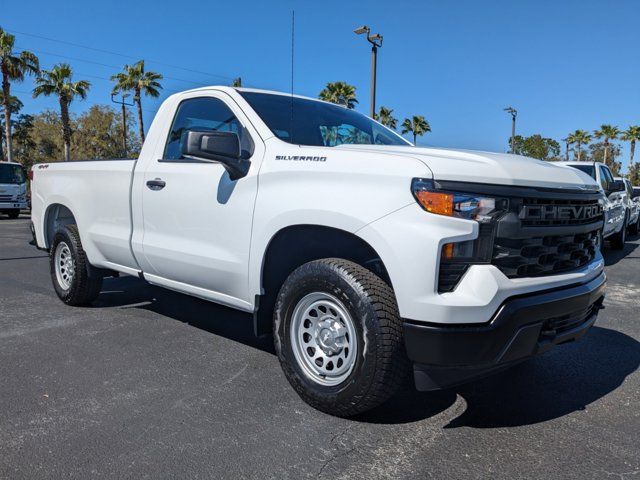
<point>468,206</point>
<point>22,197</point>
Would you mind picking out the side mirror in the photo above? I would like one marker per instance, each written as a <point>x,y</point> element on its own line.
<point>617,186</point>
<point>222,147</point>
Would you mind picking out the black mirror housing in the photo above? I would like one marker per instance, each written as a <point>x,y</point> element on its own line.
<point>617,186</point>
<point>222,147</point>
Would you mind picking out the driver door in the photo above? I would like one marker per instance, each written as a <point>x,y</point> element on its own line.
<point>196,220</point>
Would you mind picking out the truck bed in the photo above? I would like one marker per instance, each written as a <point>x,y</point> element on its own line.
<point>98,192</point>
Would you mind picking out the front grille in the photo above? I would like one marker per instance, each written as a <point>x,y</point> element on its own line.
<point>554,211</point>
<point>6,198</point>
<point>544,255</point>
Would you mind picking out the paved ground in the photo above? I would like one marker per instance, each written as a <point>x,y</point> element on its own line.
<point>153,384</point>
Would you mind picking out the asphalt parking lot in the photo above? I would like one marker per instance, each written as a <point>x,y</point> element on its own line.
<point>153,384</point>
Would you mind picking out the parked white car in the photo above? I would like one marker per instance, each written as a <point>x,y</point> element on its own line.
<point>615,210</point>
<point>13,189</point>
<point>632,206</point>
<point>361,253</point>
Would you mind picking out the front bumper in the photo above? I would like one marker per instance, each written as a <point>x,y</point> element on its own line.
<point>13,205</point>
<point>523,326</point>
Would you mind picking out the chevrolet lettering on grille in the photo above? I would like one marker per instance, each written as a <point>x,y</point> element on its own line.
<point>561,212</point>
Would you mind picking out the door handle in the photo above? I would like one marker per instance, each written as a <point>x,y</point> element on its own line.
<point>156,184</point>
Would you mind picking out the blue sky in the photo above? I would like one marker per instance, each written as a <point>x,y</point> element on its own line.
<point>563,64</point>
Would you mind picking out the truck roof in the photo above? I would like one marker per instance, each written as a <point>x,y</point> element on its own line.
<point>228,89</point>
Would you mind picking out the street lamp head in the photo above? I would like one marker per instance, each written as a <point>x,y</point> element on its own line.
<point>375,36</point>
<point>361,30</point>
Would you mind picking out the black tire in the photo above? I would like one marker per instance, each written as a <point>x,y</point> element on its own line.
<point>378,372</point>
<point>84,288</point>
<point>13,214</point>
<point>635,227</point>
<point>618,240</point>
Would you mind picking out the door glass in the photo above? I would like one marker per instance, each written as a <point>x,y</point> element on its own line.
<point>204,113</point>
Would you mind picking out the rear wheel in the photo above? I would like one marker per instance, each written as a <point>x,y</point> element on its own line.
<point>338,336</point>
<point>618,240</point>
<point>70,269</point>
<point>13,214</point>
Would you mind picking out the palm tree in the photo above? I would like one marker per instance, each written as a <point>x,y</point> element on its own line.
<point>417,125</point>
<point>15,105</point>
<point>608,132</point>
<point>386,118</point>
<point>631,135</point>
<point>14,67</point>
<point>58,81</point>
<point>237,82</point>
<point>567,142</point>
<point>579,137</point>
<point>339,92</point>
<point>135,78</point>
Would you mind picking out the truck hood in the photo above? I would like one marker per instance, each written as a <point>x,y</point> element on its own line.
<point>486,167</point>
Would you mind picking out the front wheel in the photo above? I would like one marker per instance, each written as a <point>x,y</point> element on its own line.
<point>70,269</point>
<point>338,335</point>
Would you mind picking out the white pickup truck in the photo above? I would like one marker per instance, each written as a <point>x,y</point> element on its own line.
<point>362,254</point>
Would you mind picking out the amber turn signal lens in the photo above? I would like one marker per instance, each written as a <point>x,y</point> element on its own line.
<point>447,251</point>
<point>436,202</point>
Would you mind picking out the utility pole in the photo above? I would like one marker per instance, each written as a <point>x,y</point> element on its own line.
<point>376,42</point>
<point>514,113</point>
<point>123,104</point>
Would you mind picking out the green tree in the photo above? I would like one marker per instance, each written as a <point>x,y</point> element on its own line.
<point>416,125</point>
<point>99,134</point>
<point>542,148</point>
<point>631,135</point>
<point>634,174</point>
<point>580,138</point>
<point>58,81</point>
<point>598,151</point>
<point>23,142</point>
<point>14,67</point>
<point>339,92</point>
<point>134,78</point>
<point>608,133</point>
<point>237,82</point>
<point>15,105</point>
<point>386,118</point>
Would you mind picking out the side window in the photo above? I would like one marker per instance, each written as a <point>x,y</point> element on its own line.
<point>605,177</point>
<point>203,113</point>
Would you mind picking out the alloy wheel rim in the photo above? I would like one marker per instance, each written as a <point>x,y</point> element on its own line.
<point>323,337</point>
<point>65,266</point>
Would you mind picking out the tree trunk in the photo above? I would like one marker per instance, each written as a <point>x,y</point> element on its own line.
<point>7,115</point>
<point>606,151</point>
<point>579,151</point>
<point>66,128</point>
<point>138,102</point>
<point>633,151</point>
<point>414,139</point>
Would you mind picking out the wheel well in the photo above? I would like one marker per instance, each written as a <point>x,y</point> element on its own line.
<point>296,245</point>
<point>57,216</point>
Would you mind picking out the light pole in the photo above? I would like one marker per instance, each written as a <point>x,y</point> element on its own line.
<point>376,42</point>
<point>514,113</point>
<point>124,119</point>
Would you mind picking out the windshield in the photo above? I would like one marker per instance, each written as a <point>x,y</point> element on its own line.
<point>308,122</point>
<point>12,174</point>
<point>588,169</point>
